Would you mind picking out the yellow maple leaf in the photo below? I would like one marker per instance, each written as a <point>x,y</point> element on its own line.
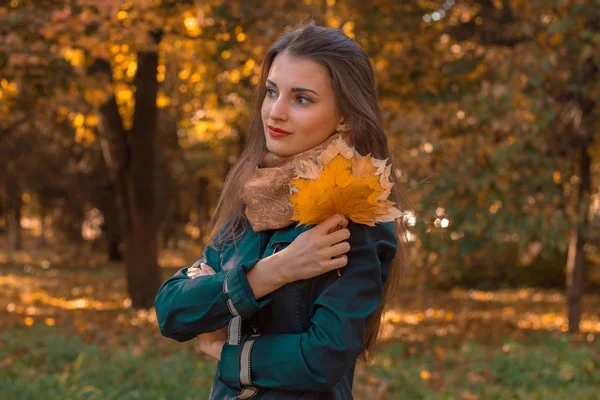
<point>343,182</point>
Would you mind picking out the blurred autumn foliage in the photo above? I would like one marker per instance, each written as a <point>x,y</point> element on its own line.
<point>119,121</point>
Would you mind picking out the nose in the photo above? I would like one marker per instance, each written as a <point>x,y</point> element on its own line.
<point>278,110</point>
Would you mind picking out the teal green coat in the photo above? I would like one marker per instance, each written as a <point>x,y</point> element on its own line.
<point>299,342</point>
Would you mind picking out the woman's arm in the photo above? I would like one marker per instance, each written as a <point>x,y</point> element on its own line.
<point>317,359</point>
<point>266,276</point>
<point>188,307</point>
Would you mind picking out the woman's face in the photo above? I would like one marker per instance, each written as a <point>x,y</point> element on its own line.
<point>299,100</point>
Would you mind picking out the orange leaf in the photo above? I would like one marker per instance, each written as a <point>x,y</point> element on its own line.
<point>343,182</point>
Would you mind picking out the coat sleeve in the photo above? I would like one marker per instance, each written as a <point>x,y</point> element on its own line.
<point>188,307</point>
<point>317,359</point>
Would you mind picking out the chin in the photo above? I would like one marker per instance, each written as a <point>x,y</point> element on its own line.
<point>275,149</point>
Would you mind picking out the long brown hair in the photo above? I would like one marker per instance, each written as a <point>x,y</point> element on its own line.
<point>353,81</point>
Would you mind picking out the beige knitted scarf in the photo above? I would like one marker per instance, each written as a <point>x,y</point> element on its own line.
<point>267,192</point>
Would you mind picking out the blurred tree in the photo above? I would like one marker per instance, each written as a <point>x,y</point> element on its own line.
<point>115,48</point>
<point>494,86</point>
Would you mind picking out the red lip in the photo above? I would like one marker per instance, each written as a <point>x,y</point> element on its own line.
<point>278,130</point>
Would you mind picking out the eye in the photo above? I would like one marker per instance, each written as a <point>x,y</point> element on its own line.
<point>308,100</point>
<point>269,91</point>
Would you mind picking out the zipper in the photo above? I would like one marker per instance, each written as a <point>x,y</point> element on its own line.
<point>253,321</point>
<point>254,325</point>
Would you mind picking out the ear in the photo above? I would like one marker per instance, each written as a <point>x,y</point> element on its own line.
<point>343,127</point>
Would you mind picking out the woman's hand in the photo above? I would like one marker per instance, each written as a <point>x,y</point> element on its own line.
<point>210,343</point>
<point>316,251</point>
<point>204,269</point>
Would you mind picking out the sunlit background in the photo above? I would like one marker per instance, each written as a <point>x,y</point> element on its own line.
<point>119,111</point>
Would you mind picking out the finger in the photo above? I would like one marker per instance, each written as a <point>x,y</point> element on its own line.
<point>335,263</point>
<point>199,272</point>
<point>221,333</point>
<point>336,228</point>
<point>200,344</point>
<point>195,272</point>
<point>338,249</point>
<point>337,236</point>
<point>207,268</point>
<point>332,222</point>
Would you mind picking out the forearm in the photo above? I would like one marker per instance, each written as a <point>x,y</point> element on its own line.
<point>188,307</point>
<point>265,277</point>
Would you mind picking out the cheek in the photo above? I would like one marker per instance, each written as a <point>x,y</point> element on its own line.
<point>265,109</point>
<point>321,119</point>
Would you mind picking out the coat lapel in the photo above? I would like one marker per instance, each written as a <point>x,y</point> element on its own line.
<point>288,234</point>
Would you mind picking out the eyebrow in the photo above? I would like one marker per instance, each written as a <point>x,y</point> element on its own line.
<point>296,89</point>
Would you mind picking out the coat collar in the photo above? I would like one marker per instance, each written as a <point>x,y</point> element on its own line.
<point>289,233</point>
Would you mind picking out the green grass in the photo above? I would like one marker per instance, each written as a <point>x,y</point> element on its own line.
<point>543,366</point>
<point>52,363</point>
<point>47,363</point>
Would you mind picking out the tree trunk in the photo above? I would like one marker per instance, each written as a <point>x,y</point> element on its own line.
<point>141,259</point>
<point>141,262</point>
<point>114,252</point>
<point>130,157</point>
<point>14,225</point>
<point>576,256</point>
<point>76,216</point>
<point>584,127</point>
<point>15,203</point>
<point>111,230</point>
<point>42,238</point>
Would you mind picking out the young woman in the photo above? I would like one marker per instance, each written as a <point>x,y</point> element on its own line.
<point>266,298</point>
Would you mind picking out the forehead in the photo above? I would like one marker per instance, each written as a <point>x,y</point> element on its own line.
<point>292,71</point>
